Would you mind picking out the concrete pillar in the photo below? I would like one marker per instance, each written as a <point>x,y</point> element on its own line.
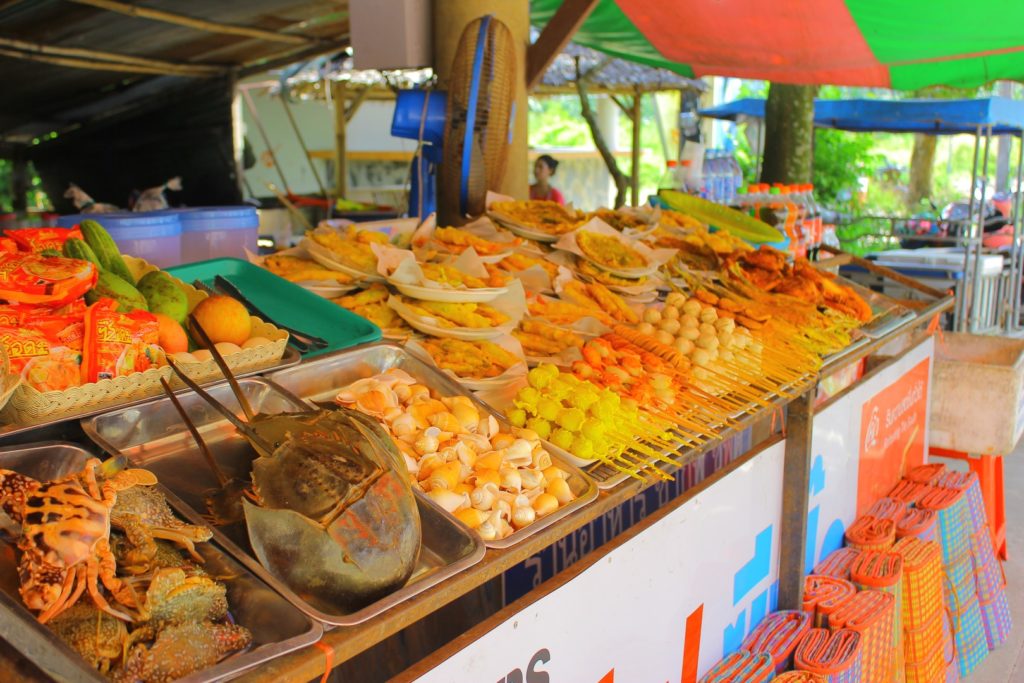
<point>1003,89</point>
<point>450,18</point>
<point>608,124</point>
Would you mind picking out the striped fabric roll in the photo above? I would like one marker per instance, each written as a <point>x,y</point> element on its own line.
<point>995,610</point>
<point>742,667</point>
<point>835,655</point>
<point>871,533</point>
<point>884,571</point>
<point>910,492</point>
<point>887,508</point>
<point>778,635</point>
<point>924,639</point>
<point>823,595</point>
<point>954,530</point>
<point>917,522</point>
<point>800,677</point>
<point>871,613</point>
<point>927,474</point>
<point>837,564</point>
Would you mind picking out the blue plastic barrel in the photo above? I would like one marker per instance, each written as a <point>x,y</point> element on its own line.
<point>218,232</point>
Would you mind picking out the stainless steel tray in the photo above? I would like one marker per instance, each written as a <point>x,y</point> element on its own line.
<point>291,357</point>
<point>277,626</point>
<point>320,380</point>
<point>153,436</point>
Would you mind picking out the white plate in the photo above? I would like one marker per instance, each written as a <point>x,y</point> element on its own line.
<point>523,230</point>
<point>458,296</point>
<point>325,257</point>
<point>328,291</point>
<point>632,273</point>
<point>465,333</point>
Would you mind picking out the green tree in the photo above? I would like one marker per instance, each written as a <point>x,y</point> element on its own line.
<point>789,134</point>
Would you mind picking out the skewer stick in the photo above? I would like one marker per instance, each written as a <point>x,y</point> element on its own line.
<point>222,479</point>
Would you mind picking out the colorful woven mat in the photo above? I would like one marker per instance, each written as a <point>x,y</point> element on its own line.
<point>778,635</point>
<point>995,610</point>
<point>871,533</point>
<point>887,508</point>
<point>800,677</point>
<point>917,522</point>
<point>742,667</point>
<point>883,570</point>
<point>910,492</point>
<point>872,614</point>
<point>823,595</point>
<point>835,655</point>
<point>924,640</point>
<point>926,474</point>
<point>837,564</point>
<point>961,591</point>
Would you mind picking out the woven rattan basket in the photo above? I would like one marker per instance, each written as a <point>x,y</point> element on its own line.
<point>28,406</point>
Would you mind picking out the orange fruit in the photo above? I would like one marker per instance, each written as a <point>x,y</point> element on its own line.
<point>172,337</point>
<point>223,319</point>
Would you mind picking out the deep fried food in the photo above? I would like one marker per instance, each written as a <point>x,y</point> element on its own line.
<point>478,316</point>
<point>470,359</point>
<point>457,241</point>
<point>604,277</point>
<point>353,248</point>
<point>371,304</point>
<point>298,269</point>
<point>540,338</point>
<point>543,215</point>
<point>609,251</point>
<point>518,262</point>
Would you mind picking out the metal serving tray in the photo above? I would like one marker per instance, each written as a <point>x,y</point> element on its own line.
<point>153,436</point>
<point>277,626</point>
<point>320,380</point>
<point>291,357</point>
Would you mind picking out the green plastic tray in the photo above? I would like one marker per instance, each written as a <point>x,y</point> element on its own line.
<point>286,302</point>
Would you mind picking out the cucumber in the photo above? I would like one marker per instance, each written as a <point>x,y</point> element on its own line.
<point>106,250</point>
<point>736,222</point>
<point>77,249</point>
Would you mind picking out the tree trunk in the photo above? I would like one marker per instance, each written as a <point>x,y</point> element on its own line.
<point>922,161</point>
<point>620,179</point>
<point>789,134</point>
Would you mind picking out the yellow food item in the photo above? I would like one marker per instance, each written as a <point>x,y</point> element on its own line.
<point>457,241</point>
<point>678,219</point>
<point>565,312</point>
<point>223,319</point>
<point>297,269</point>
<point>517,262</point>
<point>541,214</point>
<point>620,220</point>
<point>353,248</point>
<point>609,251</point>
<point>470,359</point>
<point>450,276</point>
<point>540,338</point>
<point>372,304</point>
<point>597,297</point>
<point>604,277</point>
<point>479,316</point>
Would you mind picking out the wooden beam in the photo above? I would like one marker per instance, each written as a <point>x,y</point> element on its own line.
<point>75,63</point>
<point>292,56</point>
<point>339,96</point>
<point>627,110</point>
<point>553,39</point>
<point>357,101</point>
<point>198,24</point>
<point>175,68</point>
<point>634,174</point>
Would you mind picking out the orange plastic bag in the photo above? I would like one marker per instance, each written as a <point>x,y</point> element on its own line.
<point>38,239</point>
<point>118,344</point>
<point>47,354</point>
<point>51,280</point>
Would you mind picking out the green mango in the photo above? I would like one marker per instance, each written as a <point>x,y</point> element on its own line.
<point>164,296</point>
<point>110,286</point>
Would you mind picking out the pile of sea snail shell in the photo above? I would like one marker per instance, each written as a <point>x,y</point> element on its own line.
<point>494,480</point>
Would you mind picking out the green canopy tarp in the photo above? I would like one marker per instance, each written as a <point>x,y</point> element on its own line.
<point>900,44</point>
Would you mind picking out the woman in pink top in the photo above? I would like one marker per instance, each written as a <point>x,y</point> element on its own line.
<point>543,169</point>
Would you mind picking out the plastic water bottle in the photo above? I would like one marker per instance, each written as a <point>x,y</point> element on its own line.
<point>737,172</point>
<point>711,175</point>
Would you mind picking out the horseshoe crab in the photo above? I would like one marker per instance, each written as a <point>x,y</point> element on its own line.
<point>331,511</point>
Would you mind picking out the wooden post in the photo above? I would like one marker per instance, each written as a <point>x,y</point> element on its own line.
<point>555,36</point>
<point>796,482</point>
<point>634,173</point>
<point>339,95</point>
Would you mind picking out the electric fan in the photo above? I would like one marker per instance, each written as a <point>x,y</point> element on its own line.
<point>481,92</point>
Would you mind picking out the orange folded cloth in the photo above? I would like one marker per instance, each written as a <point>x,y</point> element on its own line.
<point>871,533</point>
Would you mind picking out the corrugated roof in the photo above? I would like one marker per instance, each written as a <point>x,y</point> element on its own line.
<point>43,96</point>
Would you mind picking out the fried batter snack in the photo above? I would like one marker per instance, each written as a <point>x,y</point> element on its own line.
<point>620,220</point>
<point>599,298</point>
<point>540,338</point>
<point>542,215</point>
<point>470,359</point>
<point>514,263</point>
<point>352,249</point>
<point>457,241</point>
<point>609,251</point>
<point>478,316</point>
<point>604,277</point>
<point>298,269</point>
<point>677,219</point>
<point>372,304</point>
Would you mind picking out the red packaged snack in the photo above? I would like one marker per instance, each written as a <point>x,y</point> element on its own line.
<point>118,344</point>
<point>7,244</point>
<point>13,315</point>
<point>38,239</point>
<point>48,354</point>
<point>51,280</point>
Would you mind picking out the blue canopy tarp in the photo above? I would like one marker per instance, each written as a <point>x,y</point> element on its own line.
<point>936,117</point>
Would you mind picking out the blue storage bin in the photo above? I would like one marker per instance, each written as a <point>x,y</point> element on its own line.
<point>154,236</point>
<point>218,232</point>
